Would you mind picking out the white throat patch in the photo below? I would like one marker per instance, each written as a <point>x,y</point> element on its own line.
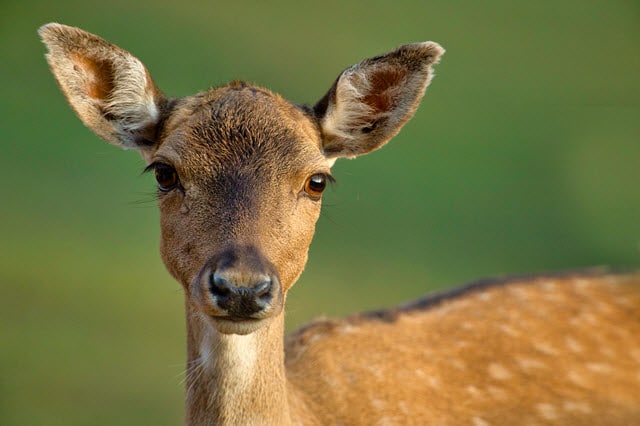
<point>234,352</point>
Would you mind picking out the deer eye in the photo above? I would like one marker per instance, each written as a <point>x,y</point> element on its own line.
<point>166,176</point>
<point>315,185</point>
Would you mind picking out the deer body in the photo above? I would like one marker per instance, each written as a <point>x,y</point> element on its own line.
<point>240,175</point>
<point>515,352</point>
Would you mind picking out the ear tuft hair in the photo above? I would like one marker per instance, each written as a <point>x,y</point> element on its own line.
<point>370,101</point>
<point>110,89</point>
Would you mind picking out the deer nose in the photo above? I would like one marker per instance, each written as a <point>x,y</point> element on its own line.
<point>241,300</point>
<point>238,285</point>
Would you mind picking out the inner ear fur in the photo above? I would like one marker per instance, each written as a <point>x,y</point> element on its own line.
<point>370,102</point>
<point>109,89</point>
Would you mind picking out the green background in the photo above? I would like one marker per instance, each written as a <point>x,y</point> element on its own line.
<point>523,157</point>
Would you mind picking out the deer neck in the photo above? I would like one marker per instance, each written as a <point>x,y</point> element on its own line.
<point>233,379</point>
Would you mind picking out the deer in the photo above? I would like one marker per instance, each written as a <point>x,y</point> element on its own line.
<point>240,175</point>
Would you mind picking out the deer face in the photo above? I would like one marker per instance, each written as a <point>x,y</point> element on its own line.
<point>240,170</point>
<point>240,174</point>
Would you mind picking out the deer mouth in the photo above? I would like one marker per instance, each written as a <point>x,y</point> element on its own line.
<point>237,325</point>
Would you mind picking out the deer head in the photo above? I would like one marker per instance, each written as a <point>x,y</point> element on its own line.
<point>240,170</point>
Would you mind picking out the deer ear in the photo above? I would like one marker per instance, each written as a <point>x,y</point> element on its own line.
<point>370,101</point>
<point>110,90</point>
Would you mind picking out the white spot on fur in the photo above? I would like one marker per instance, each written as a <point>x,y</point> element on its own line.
<point>576,407</point>
<point>433,381</point>
<point>378,404</point>
<point>519,292</point>
<point>473,391</point>
<point>387,421</point>
<point>545,348</point>
<point>479,421</point>
<point>378,374</point>
<point>499,372</point>
<point>547,411</point>
<point>468,325</point>
<point>575,321</point>
<point>530,363</point>
<point>623,301</point>
<point>581,284</point>
<point>485,296</point>
<point>577,379</point>
<point>598,367</point>
<point>589,318</point>
<point>347,329</point>
<point>313,339</point>
<point>508,330</point>
<point>573,345</point>
<point>444,309</point>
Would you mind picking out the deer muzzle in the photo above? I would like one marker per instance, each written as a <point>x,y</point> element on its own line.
<point>238,289</point>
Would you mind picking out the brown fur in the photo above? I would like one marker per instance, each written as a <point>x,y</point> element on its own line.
<point>548,350</point>
<point>99,80</point>
<point>562,350</point>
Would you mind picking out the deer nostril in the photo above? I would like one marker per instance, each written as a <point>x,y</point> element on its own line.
<point>219,286</point>
<point>263,293</point>
<point>263,288</point>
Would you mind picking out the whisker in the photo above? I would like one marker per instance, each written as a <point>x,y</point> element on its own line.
<point>200,366</point>
<point>150,198</point>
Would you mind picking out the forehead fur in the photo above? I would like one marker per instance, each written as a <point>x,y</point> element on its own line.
<point>240,126</point>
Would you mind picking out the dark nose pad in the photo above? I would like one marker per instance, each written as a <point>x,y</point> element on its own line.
<point>240,301</point>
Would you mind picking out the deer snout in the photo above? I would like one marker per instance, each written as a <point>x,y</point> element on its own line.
<point>238,289</point>
<point>241,300</point>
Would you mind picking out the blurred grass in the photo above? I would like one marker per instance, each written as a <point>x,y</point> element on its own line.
<point>523,157</point>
